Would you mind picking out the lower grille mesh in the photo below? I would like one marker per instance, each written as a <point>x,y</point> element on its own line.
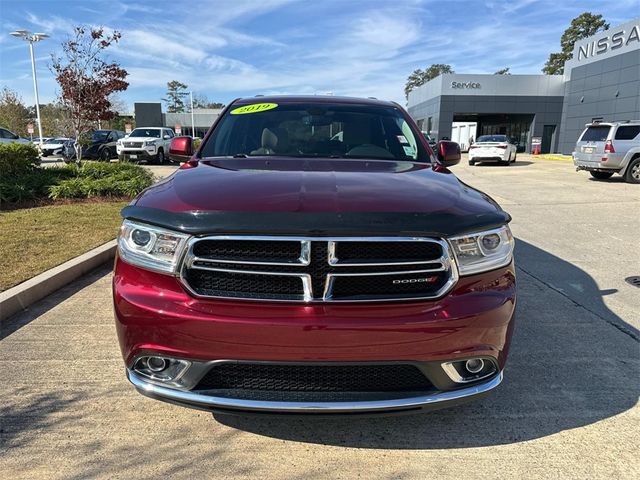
<point>243,285</point>
<point>315,378</point>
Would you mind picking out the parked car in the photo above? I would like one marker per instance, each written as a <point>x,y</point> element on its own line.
<point>493,148</point>
<point>69,151</point>
<point>9,137</point>
<point>430,140</point>
<point>36,140</point>
<point>607,148</point>
<point>283,270</point>
<point>102,144</point>
<point>53,146</point>
<point>145,144</point>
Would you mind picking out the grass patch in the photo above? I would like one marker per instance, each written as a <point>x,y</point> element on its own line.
<point>36,239</point>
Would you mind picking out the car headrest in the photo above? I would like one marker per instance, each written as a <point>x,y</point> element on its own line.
<point>269,139</point>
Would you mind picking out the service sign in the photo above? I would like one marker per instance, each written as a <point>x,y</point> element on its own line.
<point>29,127</point>
<point>127,128</point>
<point>536,140</point>
<point>178,129</point>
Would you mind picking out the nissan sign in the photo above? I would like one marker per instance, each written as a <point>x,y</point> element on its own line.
<point>614,41</point>
<point>465,85</point>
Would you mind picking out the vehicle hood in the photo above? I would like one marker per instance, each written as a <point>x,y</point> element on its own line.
<point>321,194</point>
<point>139,139</point>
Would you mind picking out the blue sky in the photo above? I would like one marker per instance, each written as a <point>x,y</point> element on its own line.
<point>230,48</point>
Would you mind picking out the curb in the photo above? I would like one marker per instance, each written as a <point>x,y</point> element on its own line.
<point>557,158</point>
<point>27,293</point>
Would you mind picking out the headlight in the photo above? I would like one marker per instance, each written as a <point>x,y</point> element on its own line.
<point>150,143</point>
<point>150,247</point>
<point>483,251</point>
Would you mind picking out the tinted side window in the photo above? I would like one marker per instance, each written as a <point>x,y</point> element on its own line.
<point>596,133</point>
<point>628,132</point>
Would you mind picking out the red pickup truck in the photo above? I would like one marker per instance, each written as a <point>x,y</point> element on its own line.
<point>314,255</point>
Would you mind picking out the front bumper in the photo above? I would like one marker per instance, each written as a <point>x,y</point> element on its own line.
<point>429,401</point>
<point>156,316</point>
<point>52,151</point>
<point>133,154</point>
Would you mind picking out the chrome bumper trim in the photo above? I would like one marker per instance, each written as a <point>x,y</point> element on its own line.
<point>208,402</point>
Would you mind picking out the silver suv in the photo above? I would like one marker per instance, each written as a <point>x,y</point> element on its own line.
<point>607,148</point>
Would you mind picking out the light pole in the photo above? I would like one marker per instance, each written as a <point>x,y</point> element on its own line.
<point>193,123</point>
<point>32,38</point>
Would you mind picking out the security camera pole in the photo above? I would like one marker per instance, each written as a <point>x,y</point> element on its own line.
<point>32,38</point>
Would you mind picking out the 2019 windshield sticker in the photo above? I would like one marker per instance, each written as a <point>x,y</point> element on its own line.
<point>254,108</point>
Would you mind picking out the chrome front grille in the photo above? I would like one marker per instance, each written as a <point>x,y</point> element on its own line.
<point>317,269</point>
<point>133,144</point>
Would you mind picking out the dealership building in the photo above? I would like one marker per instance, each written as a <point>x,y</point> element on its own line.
<point>151,115</point>
<point>600,83</point>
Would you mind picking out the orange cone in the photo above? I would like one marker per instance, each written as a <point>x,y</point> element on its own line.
<point>536,150</point>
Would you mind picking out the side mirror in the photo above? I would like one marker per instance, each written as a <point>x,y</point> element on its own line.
<point>448,153</point>
<point>166,137</point>
<point>181,149</point>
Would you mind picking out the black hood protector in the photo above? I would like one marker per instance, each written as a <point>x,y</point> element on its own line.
<point>321,224</point>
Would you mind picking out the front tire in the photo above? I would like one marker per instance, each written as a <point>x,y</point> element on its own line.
<point>633,171</point>
<point>601,175</point>
<point>105,156</point>
<point>160,157</point>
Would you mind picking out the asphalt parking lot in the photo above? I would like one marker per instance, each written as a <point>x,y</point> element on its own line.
<point>567,408</point>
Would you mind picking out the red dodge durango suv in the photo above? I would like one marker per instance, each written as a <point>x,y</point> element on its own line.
<point>314,255</point>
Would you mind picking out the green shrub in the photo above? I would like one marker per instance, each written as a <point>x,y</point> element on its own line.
<point>91,179</point>
<point>96,179</point>
<point>17,158</point>
<point>33,184</point>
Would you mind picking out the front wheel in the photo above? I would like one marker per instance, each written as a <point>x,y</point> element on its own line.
<point>601,175</point>
<point>160,157</point>
<point>104,155</point>
<point>633,171</point>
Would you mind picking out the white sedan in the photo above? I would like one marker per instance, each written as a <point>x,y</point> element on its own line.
<point>492,148</point>
<point>53,146</point>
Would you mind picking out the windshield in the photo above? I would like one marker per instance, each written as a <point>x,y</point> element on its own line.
<point>596,133</point>
<point>100,135</point>
<point>146,132</point>
<point>315,130</point>
<point>492,138</point>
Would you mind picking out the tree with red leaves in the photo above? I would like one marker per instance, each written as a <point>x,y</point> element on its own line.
<point>86,80</point>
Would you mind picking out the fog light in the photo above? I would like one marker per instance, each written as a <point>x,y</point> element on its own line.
<point>158,364</point>
<point>161,369</point>
<point>474,365</point>
<point>471,370</point>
